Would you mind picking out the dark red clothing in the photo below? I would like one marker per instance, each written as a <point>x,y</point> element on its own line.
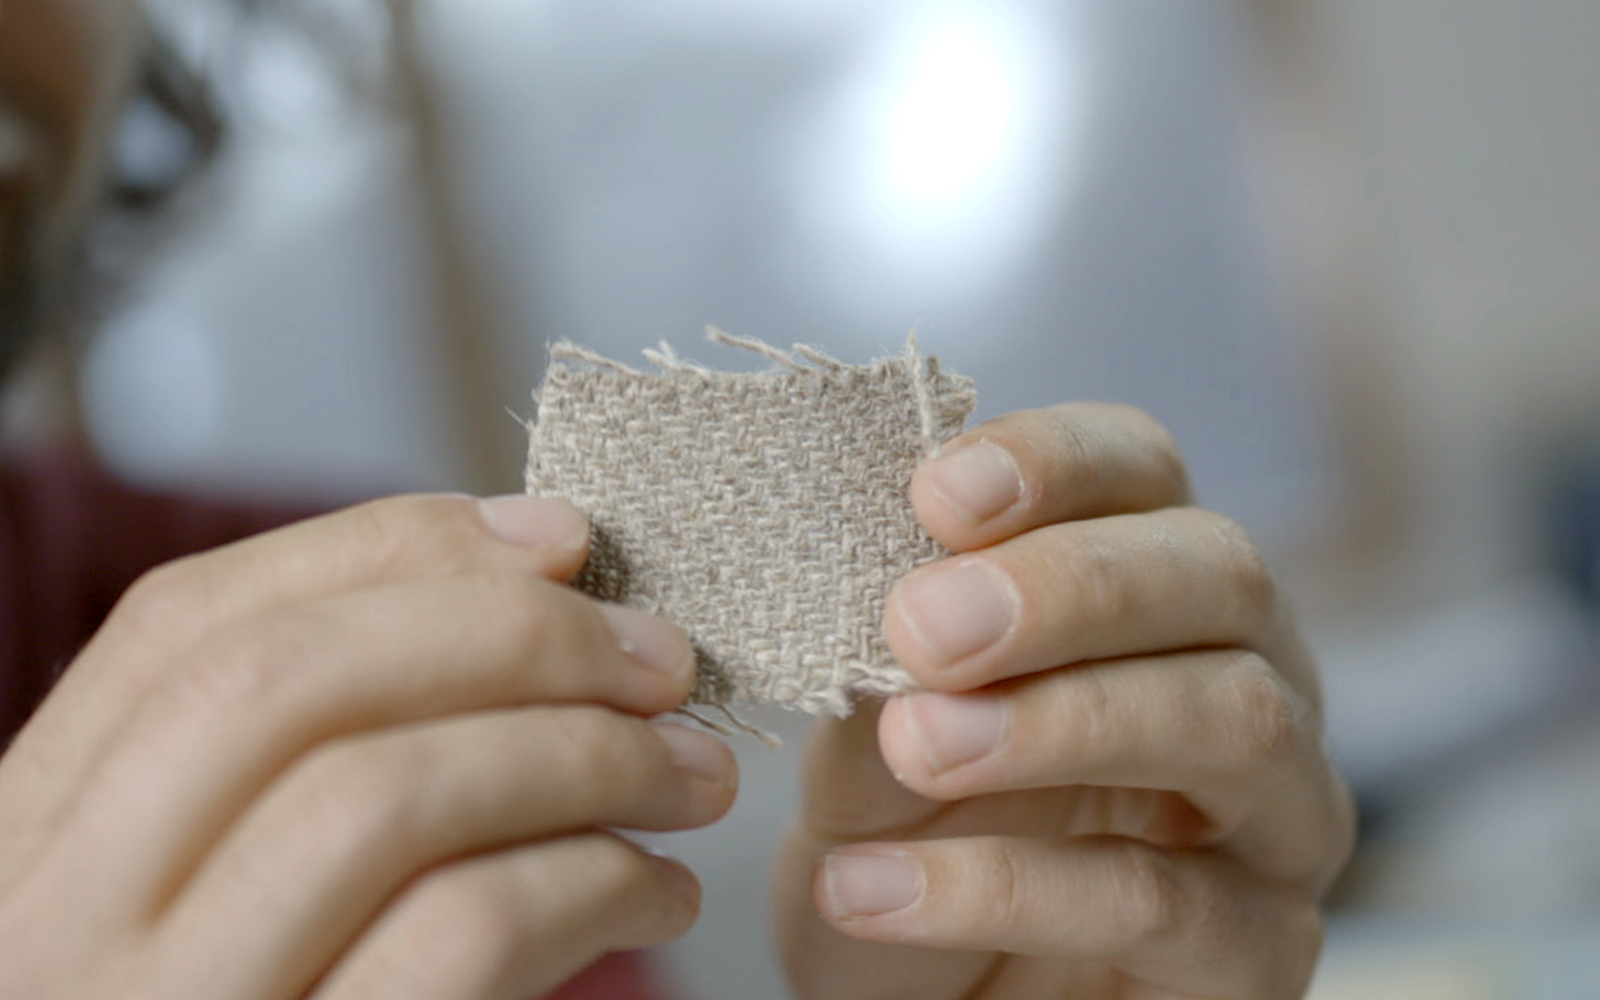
<point>71,541</point>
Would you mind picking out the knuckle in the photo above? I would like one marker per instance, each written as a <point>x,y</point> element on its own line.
<point>1249,577</point>
<point>1094,587</point>
<point>530,610</point>
<point>381,533</point>
<point>599,750</point>
<point>364,789</point>
<point>1151,897</point>
<point>1269,715</point>
<point>161,598</point>
<point>248,667</point>
<point>1075,447</point>
<point>1003,899</point>
<point>540,638</point>
<point>1088,718</point>
<point>396,535</point>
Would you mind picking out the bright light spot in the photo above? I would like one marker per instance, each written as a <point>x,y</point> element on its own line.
<point>940,159</point>
<point>948,118</point>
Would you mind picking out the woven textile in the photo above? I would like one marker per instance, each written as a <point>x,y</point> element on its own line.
<point>766,513</point>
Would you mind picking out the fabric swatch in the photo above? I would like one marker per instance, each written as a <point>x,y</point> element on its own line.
<point>767,513</point>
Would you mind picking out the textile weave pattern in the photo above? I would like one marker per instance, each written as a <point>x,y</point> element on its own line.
<point>767,513</point>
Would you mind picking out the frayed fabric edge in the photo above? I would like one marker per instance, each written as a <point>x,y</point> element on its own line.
<point>938,397</point>
<point>799,358</point>
<point>732,727</point>
<point>937,394</point>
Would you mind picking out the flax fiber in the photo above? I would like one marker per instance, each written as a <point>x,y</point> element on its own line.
<point>766,513</point>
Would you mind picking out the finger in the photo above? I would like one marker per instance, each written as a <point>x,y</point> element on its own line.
<point>250,702</point>
<point>332,842</point>
<point>1038,467</point>
<point>1188,922</point>
<point>384,541</point>
<point>490,931</point>
<point>1242,750</point>
<point>518,924</point>
<point>1088,590</point>
<point>407,538</point>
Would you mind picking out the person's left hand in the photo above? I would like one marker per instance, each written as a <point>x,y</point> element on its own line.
<point>1113,785</point>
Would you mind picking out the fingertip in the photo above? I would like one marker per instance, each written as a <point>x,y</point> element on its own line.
<point>941,524</point>
<point>701,755</point>
<point>946,622</point>
<point>928,739</point>
<point>976,481</point>
<point>552,526</point>
<point>664,905</point>
<point>655,644</point>
<point>907,645</point>
<point>973,493</point>
<point>684,887</point>
<point>896,741</point>
<point>859,883</point>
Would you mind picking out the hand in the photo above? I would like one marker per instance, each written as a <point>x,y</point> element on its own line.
<point>1114,785</point>
<point>374,754</point>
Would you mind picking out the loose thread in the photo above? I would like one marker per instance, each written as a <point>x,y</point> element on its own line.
<point>666,350</point>
<point>818,357</point>
<point>733,727</point>
<point>922,376</point>
<point>761,347</point>
<point>667,359</point>
<point>566,350</point>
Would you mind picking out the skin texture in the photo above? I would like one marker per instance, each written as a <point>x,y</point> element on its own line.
<point>381,753</point>
<point>1124,796</point>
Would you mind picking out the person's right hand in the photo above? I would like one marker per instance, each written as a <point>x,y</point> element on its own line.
<point>375,754</point>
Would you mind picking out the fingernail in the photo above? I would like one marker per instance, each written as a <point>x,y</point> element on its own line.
<point>654,643</point>
<point>977,480</point>
<point>953,730</point>
<point>683,881</point>
<point>958,609</point>
<point>702,755</point>
<point>865,885</point>
<point>534,521</point>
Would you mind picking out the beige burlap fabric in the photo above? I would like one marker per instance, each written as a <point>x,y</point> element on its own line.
<point>766,513</point>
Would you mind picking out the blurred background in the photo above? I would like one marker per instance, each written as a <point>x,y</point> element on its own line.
<point>1348,250</point>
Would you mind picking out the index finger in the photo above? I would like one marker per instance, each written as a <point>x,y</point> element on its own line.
<point>1038,467</point>
<point>380,542</point>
